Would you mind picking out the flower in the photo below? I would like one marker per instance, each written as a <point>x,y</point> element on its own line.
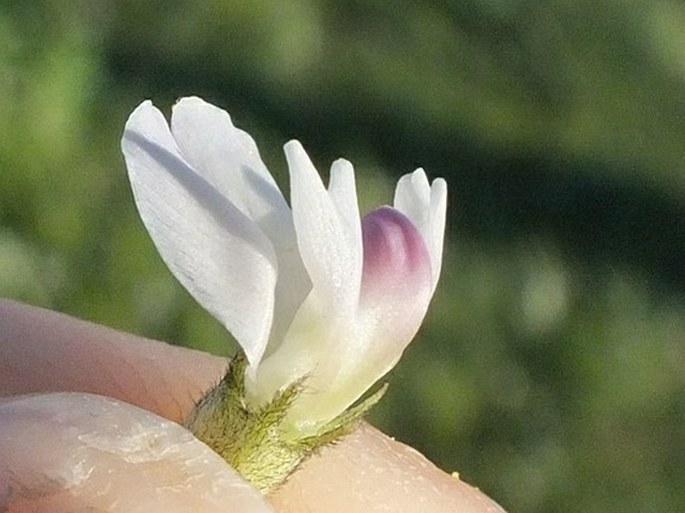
<point>311,292</point>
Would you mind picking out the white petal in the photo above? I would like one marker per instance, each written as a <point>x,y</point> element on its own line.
<point>343,192</point>
<point>329,238</point>
<point>325,240</point>
<point>425,205</point>
<point>228,158</point>
<point>221,257</point>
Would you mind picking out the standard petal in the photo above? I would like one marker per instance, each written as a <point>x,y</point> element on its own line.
<point>425,205</point>
<point>219,255</point>
<point>229,160</point>
<point>325,241</point>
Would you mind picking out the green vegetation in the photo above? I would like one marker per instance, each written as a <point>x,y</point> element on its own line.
<point>551,369</point>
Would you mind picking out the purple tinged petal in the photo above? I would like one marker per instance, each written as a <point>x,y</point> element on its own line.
<point>396,259</point>
<point>396,289</point>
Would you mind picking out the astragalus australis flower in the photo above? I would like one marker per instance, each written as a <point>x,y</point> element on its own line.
<point>321,301</point>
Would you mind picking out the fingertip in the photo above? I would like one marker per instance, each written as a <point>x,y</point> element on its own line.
<point>76,452</point>
<point>368,471</point>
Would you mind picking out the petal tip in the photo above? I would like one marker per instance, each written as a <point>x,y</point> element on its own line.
<point>293,146</point>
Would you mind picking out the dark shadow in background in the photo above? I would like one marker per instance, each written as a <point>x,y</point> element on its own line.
<point>497,196</point>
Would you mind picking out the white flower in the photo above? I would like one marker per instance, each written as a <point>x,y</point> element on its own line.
<point>311,290</point>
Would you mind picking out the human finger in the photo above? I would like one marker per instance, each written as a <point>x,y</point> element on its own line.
<point>69,452</point>
<point>362,469</point>
<point>368,471</point>
<point>45,351</point>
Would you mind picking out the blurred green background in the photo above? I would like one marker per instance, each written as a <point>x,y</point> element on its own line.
<point>551,369</point>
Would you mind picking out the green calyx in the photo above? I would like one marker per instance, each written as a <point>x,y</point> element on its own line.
<point>256,440</point>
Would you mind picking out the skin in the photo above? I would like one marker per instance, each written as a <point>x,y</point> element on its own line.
<point>89,422</point>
